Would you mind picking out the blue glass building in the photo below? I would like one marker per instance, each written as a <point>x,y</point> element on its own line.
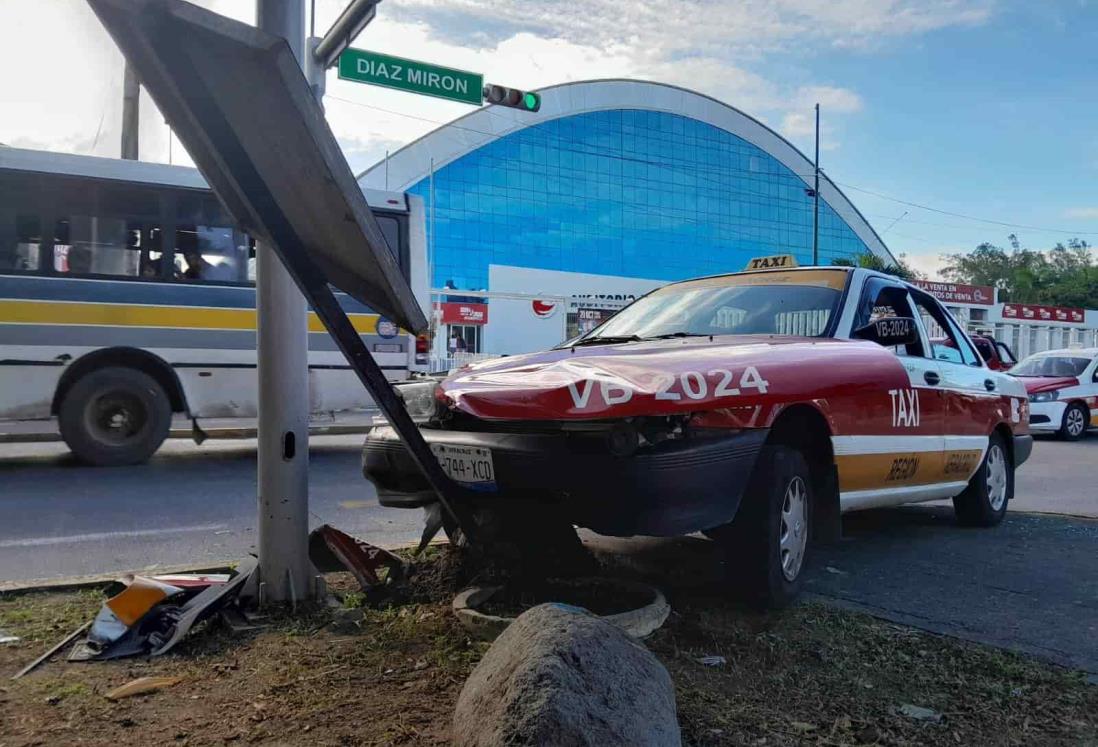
<point>619,178</point>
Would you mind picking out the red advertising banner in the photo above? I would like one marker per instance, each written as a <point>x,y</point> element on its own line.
<point>464,313</point>
<point>958,293</point>
<point>1033,313</point>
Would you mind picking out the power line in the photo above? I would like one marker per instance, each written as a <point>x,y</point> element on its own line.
<point>966,217</point>
<point>890,225</point>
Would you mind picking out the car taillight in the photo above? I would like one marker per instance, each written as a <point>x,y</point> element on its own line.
<point>422,344</point>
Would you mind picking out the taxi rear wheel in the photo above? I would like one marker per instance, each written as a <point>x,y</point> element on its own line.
<point>984,502</point>
<point>766,546</point>
<point>1074,424</point>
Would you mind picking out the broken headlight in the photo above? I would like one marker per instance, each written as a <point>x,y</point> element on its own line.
<point>421,400</point>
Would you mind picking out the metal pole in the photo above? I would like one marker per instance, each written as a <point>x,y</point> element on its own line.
<point>816,197</point>
<point>131,101</point>
<point>282,346</point>
<point>431,238</point>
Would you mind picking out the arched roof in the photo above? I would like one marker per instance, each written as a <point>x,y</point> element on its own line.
<point>451,141</point>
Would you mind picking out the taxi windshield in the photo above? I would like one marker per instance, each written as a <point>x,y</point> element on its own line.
<point>786,303</point>
<point>1051,365</point>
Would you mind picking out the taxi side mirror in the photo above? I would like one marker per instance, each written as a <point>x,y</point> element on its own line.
<point>889,331</point>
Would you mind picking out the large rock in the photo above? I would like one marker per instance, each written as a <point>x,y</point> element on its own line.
<point>560,676</point>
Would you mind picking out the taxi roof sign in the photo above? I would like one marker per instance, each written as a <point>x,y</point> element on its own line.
<point>772,262</point>
<point>239,102</point>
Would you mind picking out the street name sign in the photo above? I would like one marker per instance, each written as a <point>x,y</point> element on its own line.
<point>411,75</point>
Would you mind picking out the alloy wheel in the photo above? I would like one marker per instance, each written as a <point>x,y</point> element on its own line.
<point>996,477</point>
<point>793,529</point>
<point>1075,424</point>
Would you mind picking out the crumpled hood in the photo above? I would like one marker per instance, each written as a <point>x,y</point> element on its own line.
<point>1035,384</point>
<point>664,377</point>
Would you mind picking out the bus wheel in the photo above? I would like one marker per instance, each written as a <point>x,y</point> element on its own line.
<point>115,416</point>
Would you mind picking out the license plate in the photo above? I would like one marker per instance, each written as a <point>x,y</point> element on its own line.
<point>469,465</point>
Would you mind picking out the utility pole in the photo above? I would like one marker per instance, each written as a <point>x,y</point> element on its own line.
<point>131,102</point>
<point>282,346</point>
<point>816,197</point>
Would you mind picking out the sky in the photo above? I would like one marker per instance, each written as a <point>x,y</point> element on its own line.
<point>947,122</point>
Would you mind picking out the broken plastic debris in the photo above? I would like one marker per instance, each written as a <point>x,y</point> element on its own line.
<point>190,580</point>
<point>919,713</point>
<point>333,550</point>
<point>6,637</point>
<point>160,626</point>
<point>713,661</point>
<point>142,685</point>
<point>126,608</point>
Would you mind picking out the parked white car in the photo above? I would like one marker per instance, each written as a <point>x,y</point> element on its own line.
<point>1063,391</point>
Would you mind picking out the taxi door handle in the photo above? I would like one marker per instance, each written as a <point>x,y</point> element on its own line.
<point>989,385</point>
<point>932,377</point>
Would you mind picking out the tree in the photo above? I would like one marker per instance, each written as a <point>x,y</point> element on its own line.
<point>871,261</point>
<point>1065,275</point>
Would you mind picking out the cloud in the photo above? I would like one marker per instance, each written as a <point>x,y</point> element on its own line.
<point>830,98</point>
<point>929,262</point>
<point>1082,213</point>
<point>712,46</point>
<point>699,26</point>
<point>833,101</point>
<point>798,124</point>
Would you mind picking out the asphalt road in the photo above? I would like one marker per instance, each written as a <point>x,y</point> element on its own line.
<point>189,505</point>
<point>1060,478</point>
<point>196,504</point>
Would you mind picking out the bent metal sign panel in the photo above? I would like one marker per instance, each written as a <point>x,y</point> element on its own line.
<point>958,292</point>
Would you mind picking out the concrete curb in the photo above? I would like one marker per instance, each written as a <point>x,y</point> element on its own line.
<point>99,579</point>
<point>24,586</point>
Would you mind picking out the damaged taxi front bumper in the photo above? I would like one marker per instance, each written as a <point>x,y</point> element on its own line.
<point>670,488</point>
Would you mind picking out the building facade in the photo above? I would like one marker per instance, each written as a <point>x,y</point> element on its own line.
<point>617,179</point>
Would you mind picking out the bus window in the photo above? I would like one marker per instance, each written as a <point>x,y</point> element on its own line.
<point>94,245</point>
<point>20,239</point>
<point>208,253</point>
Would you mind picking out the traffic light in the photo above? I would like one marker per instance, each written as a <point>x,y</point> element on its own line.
<point>512,97</point>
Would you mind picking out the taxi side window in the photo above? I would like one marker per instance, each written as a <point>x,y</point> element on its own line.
<point>883,299</point>
<point>946,341</point>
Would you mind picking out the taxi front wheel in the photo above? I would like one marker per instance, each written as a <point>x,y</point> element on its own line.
<point>766,545</point>
<point>984,502</point>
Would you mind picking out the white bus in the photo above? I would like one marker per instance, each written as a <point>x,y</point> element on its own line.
<point>127,300</point>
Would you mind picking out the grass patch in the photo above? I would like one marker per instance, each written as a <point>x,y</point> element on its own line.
<point>39,617</point>
<point>809,675</point>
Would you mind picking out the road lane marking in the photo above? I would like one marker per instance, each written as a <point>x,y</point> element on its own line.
<point>99,536</point>
<point>356,504</point>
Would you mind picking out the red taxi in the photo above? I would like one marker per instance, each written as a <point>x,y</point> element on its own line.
<point>755,407</point>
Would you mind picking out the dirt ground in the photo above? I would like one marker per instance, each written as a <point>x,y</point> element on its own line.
<point>809,675</point>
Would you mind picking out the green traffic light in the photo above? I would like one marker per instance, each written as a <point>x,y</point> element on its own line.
<point>531,101</point>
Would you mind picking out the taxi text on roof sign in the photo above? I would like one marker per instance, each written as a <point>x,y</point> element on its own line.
<point>411,75</point>
<point>771,262</point>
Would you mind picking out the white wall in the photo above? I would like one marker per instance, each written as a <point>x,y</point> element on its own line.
<point>513,327</point>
